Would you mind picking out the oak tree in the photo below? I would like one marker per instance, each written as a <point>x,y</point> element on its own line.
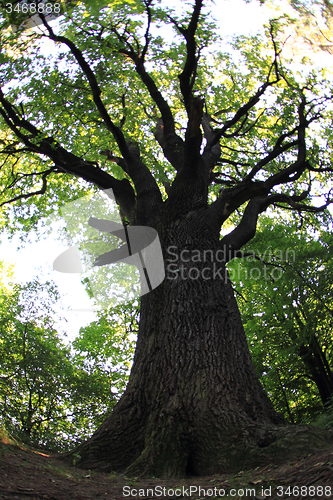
<point>191,140</point>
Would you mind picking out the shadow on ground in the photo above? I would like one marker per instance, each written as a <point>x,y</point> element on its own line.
<point>27,473</point>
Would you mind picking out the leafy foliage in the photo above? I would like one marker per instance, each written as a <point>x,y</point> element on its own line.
<point>52,395</point>
<point>53,92</point>
<point>309,23</point>
<point>105,348</point>
<point>285,297</point>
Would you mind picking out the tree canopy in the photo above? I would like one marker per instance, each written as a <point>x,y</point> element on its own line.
<point>108,108</point>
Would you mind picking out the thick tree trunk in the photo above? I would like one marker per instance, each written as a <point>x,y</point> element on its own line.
<point>193,404</point>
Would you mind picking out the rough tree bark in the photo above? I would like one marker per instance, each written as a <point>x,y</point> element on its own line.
<point>193,402</point>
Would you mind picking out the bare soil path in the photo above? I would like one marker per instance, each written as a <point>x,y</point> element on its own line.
<point>29,474</point>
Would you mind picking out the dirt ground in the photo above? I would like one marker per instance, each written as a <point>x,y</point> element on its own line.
<point>30,474</point>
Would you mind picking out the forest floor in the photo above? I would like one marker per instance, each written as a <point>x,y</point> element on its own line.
<point>31,474</point>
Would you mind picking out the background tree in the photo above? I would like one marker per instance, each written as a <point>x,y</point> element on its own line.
<point>120,107</point>
<point>309,22</point>
<point>285,298</point>
<point>104,351</point>
<point>51,395</point>
<point>35,365</point>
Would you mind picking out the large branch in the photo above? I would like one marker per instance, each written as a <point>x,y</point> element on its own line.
<point>95,89</point>
<point>242,113</point>
<point>171,143</point>
<point>193,137</point>
<point>292,202</point>
<point>165,133</point>
<point>148,193</point>
<point>188,75</point>
<point>212,152</point>
<point>190,186</point>
<point>273,154</point>
<point>196,168</point>
<point>24,196</point>
<point>232,198</point>
<point>296,169</point>
<point>64,160</point>
<point>245,230</point>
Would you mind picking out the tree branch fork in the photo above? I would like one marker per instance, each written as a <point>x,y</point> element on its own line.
<point>194,157</point>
